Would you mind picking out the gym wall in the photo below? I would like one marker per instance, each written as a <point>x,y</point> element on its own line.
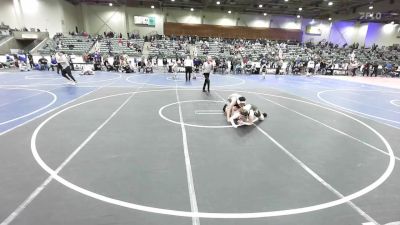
<point>61,16</point>
<point>51,15</point>
<point>206,30</point>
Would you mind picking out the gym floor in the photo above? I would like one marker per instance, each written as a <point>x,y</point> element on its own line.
<point>149,150</point>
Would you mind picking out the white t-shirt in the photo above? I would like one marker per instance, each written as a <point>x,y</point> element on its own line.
<point>188,62</point>
<point>311,64</point>
<point>207,67</point>
<point>175,67</point>
<point>63,60</point>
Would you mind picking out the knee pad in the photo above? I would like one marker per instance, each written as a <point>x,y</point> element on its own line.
<point>224,108</point>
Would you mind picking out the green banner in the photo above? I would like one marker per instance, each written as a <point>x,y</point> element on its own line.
<point>152,21</point>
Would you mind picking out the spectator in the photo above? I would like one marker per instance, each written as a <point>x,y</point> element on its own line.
<point>30,58</point>
<point>43,63</point>
<point>366,69</point>
<point>375,69</point>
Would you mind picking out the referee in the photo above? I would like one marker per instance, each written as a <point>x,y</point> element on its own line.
<point>207,68</point>
<point>188,67</point>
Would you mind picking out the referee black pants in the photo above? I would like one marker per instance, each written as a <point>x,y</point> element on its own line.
<point>188,71</point>
<point>206,82</point>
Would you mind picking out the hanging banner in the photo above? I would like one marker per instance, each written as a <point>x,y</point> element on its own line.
<point>313,30</point>
<point>145,20</point>
<point>29,36</point>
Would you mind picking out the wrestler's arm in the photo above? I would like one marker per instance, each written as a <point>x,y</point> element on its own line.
<point>229,110</point>
<point>233,118</point>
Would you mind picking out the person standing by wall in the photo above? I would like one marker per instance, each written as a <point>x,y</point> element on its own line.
<point>175,69</point>
<point>263,66</point>
<point>31,63</point>
<point>54,63</point>
<point>207,68</point>
<point>310,67</point>
<point>375,69</point>
<point>353,67</point>
<point>365,70</point>
<point>279,67</point>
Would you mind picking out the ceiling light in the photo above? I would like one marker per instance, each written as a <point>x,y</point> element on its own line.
<point>370,7</point>
<point>260,6</point>
<point>218,2</point>
<point>300,9</point>
<point>298,16</point>
<point>330,3</point>
<point>265,14</point>
<point>329,19</point>
<point>110,4</point>
<point>191,9</point>
<point>172,0</point>
<point>229,11</point>
<point>152,6</point>
<point>286,0</point>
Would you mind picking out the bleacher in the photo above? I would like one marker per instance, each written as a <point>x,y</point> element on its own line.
<point>167,48</point>
<point>116,48</point>
<point>3,37</point>
<point>214,49</point>
<point>338,57</point>
<point>47,48</point>
<point>75,44</point>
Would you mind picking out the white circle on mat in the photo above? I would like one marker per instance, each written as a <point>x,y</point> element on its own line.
<point>172,212</point>
<point>42,77</point>
<point>35,111</point>
<point>319,95</point>
<point>175,80</point>
<point>241,81</point>
<point>395,102</point>
<point>118,76</point>
<point>160,112</point>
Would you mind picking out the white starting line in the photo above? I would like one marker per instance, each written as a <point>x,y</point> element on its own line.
<point>208,112</point>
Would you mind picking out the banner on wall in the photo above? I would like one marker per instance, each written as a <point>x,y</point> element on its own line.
<point>29,36</point>
<point>313,30</point>
<point>145,20</point>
